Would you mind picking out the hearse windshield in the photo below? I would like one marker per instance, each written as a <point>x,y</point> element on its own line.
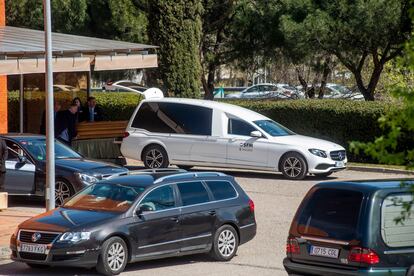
<point>272,128</point>
<point>106,197</point>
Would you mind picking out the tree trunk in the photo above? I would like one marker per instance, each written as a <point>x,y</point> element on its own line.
<point>302,82</point>
<point>208,85</point>
<point>325,74</point>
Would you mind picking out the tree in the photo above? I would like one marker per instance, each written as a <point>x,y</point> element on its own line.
<point>176,27</point>
<point>355,32</point>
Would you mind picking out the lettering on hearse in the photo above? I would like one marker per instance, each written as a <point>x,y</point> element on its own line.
<point>246,146</point>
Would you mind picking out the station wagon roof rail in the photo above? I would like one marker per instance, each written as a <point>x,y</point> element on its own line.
<point>190,174</point>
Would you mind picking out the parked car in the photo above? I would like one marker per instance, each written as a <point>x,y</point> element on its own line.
<point>136,217</point>
<point>267,91</point>
<point>336,91</point>
<point>350,228</point>
<point>188,132</point>
<point>64,88</point>
<point>123,86</point>
<point>26,168</point>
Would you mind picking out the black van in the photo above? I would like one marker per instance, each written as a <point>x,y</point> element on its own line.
<point>350,228</point>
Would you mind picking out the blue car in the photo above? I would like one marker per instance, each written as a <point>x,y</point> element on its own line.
<point>353,228</point>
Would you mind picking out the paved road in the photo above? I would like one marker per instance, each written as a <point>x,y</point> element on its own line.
<point>276,201</point>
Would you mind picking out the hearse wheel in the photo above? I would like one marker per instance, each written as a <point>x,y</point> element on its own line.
<point>293,166</point>
<point>113,257</point>
<point>155,157</point>
<point>225,244</point>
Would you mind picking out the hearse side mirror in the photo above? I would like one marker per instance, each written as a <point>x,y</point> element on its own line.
<point>144,209</point>
<point>22,159</point>
<point>256,134</point>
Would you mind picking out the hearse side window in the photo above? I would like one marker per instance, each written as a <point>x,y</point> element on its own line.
<point>331,213</point>
<point>221,189</point>
<point>193,193</point>
<point>174,118</point>
<point>161,198</point>
<point>396,234</point>
<point>238,127</point>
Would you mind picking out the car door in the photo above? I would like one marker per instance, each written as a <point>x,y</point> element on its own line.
<point>198,216</point>
<point>156,231</point>
<point>20,171</point>
<point>242,149</point>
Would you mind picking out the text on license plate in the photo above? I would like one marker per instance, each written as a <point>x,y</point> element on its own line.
<point>339,164</point>
<point>324,252</point>
<point>33,248</point>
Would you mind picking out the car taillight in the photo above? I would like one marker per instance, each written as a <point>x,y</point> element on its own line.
<point>251,205</point>
<point>126,134</point>
<point>292,246</point>
<point>363,255</point>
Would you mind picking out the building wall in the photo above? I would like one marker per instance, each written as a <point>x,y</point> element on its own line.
<point>3,80</point>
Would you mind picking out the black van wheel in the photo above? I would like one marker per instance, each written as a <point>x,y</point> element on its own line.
<point>225,244</point>
<point>293,166</point>
<point>113,257</point>
<point>154,157</point>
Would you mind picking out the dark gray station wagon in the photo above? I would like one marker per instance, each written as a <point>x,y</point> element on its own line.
<point>350,228</point>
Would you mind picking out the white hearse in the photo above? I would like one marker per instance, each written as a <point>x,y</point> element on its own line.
<point>189,132</point>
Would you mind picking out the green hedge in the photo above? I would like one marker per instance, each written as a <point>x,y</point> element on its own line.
<point>339,121</point>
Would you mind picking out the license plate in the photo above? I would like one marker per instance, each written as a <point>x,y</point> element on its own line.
<point>33,248</point>
<point>339,164</point>
<point>324,252</point>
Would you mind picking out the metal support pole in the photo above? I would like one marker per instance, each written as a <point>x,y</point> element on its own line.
<point>21,103</point>
<point>50,129</point>
<point>88,83</point>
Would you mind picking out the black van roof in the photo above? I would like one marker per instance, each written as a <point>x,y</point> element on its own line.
<point>368,185</point>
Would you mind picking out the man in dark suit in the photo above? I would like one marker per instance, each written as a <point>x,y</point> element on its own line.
<point>56,107</point>
<point>65,124</point>
<point>3,158</point>
<point>92,112</point>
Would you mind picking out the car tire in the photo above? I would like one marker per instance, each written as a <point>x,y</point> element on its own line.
<point>184,167</point>
<point>225,243</point>
<point>113,257</point>
<point>37,266</point>
<point>323,174</point>
<point>293,166</point>
<point>155,157</point>
<point>63,191</point>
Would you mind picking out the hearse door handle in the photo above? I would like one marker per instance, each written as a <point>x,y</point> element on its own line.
<point>212,213</point>
<point>175,219</point>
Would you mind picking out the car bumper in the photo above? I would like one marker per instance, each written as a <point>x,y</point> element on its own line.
<point>74,255</point>
<point>298,268</point>
<point>247,232</point>
<point>325,165</point>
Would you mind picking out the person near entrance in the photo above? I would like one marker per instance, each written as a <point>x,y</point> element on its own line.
<point>3,158</point>
<point>65,125</point>
<point>92,112</point>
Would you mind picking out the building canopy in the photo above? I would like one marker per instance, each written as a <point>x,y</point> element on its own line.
<point>22,52</point>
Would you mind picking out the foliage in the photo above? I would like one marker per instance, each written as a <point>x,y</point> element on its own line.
<point>176,27</point>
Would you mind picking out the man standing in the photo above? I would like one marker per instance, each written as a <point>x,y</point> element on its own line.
<point>65,124</point>
<point>3,158</point>
<point>92,112</point>
<point>56,108</point>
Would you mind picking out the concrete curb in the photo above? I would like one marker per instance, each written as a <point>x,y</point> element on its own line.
<point>4,253</point>
<point>379,170</point>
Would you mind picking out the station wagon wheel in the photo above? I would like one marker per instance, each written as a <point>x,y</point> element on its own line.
<point>113,257</point>
<point>154,157</point>
<point>63,191</point>
<point>225,244</point>
<point>293,166</point>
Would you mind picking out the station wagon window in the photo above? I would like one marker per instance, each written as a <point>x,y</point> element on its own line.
<point>159,199</point>
<point>193,193</point>
<point>174,118</point>
<point>239,127</point>
<point>396,234</point>
<point>331,213</point>
<point>221,189</point>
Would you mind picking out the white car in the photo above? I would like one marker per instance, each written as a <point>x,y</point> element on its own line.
<point>267,91</point>
<point>188,132</point>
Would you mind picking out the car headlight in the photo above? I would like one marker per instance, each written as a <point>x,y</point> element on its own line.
<point>318,152</point>
<point>75,236</point>
<point>86,178</point>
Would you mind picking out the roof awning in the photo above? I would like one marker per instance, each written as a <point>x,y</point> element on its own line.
<point>22,52</point>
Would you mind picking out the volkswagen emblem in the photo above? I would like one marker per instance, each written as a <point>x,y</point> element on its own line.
<point>36,236</point>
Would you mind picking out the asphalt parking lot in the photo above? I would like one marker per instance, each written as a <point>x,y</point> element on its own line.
<point>276,200</point>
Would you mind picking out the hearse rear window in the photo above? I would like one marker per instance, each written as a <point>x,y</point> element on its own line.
<point>174,118</point>
<point>395,234</point>
<point>331,213</point>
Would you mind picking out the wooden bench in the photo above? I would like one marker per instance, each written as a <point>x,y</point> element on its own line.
<point>3,201</point>
<point>104,129</point>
